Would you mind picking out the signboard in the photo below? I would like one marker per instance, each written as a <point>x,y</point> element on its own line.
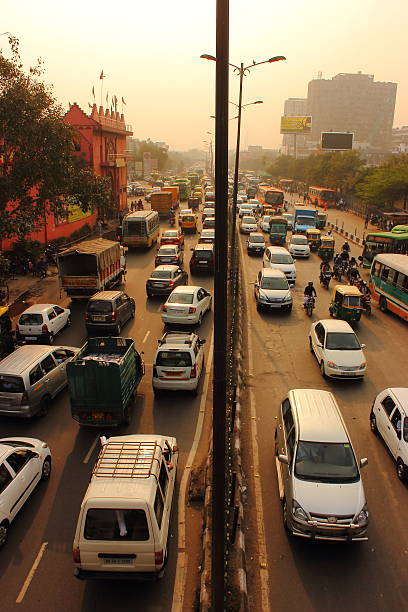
<point>75,213</point>
<point>296,125</point>
<point>337,141</point>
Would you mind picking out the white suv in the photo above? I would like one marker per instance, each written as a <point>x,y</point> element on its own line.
<point>179,363</point>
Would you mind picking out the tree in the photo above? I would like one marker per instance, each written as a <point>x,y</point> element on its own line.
<point>157,151</point>
<point>38,173</point>
<point>387,183</point>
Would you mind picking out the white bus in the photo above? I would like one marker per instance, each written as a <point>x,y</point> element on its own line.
<point>140,229</point>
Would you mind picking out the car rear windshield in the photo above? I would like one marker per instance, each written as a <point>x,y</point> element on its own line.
<point>166,250</point>
<point>256,239</point>
<point>175,359</point>
<point>161,274</point>
<point>202,255</point>
<point>31,319</point>
<point>121,525</point>
<point>170,234</point>
<point>326,462</point>
<point>274,283</point>
<point>102,306</point>
<point>277,258</point>
<point>181,298</point>
<point>11,384</point>
<point>338,341</point>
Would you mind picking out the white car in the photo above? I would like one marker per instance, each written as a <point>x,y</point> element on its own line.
<point>248,225</point>
<point>299,246</point>
<point>242,196</point>
<point>23,463</point>
<point>265,227</point>
<point>279,258</point>
<point>337,349</point>
<point>42,322</point>
<point>179,362</point>
<point>186,305</point>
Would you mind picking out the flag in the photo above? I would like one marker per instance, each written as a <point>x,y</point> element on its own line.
<point>93,91</point>
<point>107,98</point>
<point>102,76</point>
<point>123,102</point>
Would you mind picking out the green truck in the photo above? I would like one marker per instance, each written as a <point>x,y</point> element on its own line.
<point>102,380</point>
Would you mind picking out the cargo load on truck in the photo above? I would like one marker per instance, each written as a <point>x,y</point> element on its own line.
<point>89,266</point>
<point>162,201</point>
<point>102,380</point>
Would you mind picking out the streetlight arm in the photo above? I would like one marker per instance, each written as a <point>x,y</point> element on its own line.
<point>277,58</point>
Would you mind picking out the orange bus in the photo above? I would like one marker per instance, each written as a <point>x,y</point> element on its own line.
<point>270,196</point>
<point>323,197</point>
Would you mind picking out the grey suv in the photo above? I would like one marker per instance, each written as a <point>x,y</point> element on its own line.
<point>109,310</point>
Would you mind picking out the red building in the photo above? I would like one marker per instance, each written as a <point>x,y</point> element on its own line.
<point>102,144</point>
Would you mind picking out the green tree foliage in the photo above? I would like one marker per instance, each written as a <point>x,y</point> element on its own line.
<point>157,151</point>
<point>386,183</point>
<point>38,173</point>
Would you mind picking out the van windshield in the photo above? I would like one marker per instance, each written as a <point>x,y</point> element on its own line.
<point>326,462</point>
<point>111,524</point>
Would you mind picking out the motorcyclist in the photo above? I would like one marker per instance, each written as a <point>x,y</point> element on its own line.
<point>324,268</point>
<point>354,275</point>
<point>344,257</point>
<point>309,292</point>
<point>346,247</point>
<point>139,204</point>
<point>364,288</point>
<point>172,216</point>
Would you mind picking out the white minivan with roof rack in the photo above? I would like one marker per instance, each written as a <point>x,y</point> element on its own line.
<point>178,363</point>
<point>123,524</point>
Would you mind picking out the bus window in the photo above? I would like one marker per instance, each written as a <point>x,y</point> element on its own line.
<point>384,273</point>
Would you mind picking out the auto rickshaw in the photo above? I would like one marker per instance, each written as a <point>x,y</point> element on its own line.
<point>321,220</point>
<point>346,303</point>
<point>314,238</point>
<point>188,222</point>
<point>326,248</point>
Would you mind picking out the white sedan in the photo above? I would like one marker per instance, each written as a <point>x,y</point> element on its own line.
<point>299,246</point>
<point>248,224</point>
<point>186,305</point>
<point>337,349</point>
<point>42,322</point>
<point>23,463</point>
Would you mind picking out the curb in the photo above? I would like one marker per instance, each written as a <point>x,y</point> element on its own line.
<point>351,237</point>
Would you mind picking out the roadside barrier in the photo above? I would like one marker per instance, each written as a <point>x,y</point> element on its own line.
<point>352,237</point>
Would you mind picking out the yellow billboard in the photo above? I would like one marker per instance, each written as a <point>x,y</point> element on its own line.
<point>75,213</point>
<point>296,125</point>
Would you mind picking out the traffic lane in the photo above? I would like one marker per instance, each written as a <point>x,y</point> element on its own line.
<point>280,344</point>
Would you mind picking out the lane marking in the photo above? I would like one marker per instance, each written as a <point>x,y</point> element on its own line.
<point>91,450</point>
<point>31,573</point>
<point>263,555</point>
<point>181,567</point>
<point>146,337</point>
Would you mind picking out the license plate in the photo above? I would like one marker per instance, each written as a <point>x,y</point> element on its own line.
<point>98,318</point>
<point>29,337</point>
<point>202,262</point>
<point>118,561</point>
<point>166,258</point>
<point>172,373</point>
<point>160,285</point>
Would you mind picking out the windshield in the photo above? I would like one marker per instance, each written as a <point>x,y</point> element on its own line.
<point>299,240</point>
<point>181,298</point>
<point>310,221</point>
<point>326,462</point>
<point>161,274</point>
<point>337,341</point>
<point>170,234</point>
<point>274,283</point>
<point>257,239</point>
<point>248,220</point>
<point>281,258</point>
<point>167,251</point>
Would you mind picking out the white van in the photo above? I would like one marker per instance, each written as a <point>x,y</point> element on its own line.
<point>279,258</point>
<point>389,417</point>
<point>318,475</point>
<point>123,523</point>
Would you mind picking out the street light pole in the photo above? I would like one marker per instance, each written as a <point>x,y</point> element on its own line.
<point>236,171</point>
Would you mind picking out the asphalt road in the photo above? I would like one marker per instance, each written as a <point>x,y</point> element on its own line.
<point>321,576</point>
<point>50,515</point>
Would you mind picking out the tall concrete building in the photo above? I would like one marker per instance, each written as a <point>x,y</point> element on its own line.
<point>353,103</point>
<point>294,107</point>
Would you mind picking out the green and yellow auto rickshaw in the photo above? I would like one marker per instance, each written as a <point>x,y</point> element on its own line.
<point>6,335</point>
<point>278,228</point>
<point>321,220</point>
<point>326,248</point>
<point>314,238</point>
<point>346,303</point>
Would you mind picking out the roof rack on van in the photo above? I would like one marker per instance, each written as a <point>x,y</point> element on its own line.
<point>126,460</point>
<point>176,338</point>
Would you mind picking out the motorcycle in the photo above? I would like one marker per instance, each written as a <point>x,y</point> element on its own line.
<point>325,278</point>
<point>309,305</point>
<point>338,271</point>
<point>172,221</point>
<point>366,301</point>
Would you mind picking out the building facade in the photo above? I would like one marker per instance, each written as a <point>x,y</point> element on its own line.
<point>400,139</point>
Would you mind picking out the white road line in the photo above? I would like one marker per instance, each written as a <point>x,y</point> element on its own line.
<point>31,573</point>
<point>146,337</point>
<point>91,450</point>
<point>263,557</point>
<point>180,579</point>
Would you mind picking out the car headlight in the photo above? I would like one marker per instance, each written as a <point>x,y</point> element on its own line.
<point>363,365</point>
<point>361,518</point>
<point>298,513</point>
<point>287,298</point>
<point>333,365</point>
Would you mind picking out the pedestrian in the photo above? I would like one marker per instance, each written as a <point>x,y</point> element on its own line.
<point>304,198</point>
<point>42,268</point>
<point>366,222</point>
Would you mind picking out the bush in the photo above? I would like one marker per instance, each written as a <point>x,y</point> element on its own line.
<point>25,249</point>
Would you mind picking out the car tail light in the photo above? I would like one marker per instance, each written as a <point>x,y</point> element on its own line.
<point>171,284</point>
<point>44,328</point>
<point>114,315</point>
<point>158,557</point>
<point>193,373</point>
<point>76,554</point>
<point>192,309</point>
<point>164,308</point>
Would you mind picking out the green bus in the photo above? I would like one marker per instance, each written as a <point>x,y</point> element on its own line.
<point>395,241</point>
<point>389,283</point>
<point>184,188</point>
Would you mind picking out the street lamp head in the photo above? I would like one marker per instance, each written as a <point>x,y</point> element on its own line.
<point>208,57</point>
<point>277,58</point>
<point>258,102</point>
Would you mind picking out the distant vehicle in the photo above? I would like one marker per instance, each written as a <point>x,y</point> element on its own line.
<point>209,223</point>
<point>299,246</point>
<point>172,236</point>
<point>248,225</point>
<point>304,218</point>
<point>140,228</point>
<point>323,197</point>
<point>389,283</point>
<point>207,236</point>
<point>169,254</point>
<point>109,310</point>
<point>202,259</point>
<point>279,258</point>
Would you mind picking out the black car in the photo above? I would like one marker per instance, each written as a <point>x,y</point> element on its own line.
<point>164,279</point>
<point>109,310</point>
<point>202,258</point>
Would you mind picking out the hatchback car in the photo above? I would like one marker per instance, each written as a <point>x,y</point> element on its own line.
<point>202,259</point>
<point>337,349</point>
<point>207,212</point>
<point>164,279</point>
<point>186,305</point>
<point>42,322</point>
<point>264,225</point>
<point>209,223</point>
<point>207,236</point>
<point>172,236</point>
<point>248,224</point>
<point>255,244</point>
<point>169,253</point>
<point>299,246</point>
<point>109,310</point>
<point>23,463</point>
<point>272,290</point>
<point>178,363</point>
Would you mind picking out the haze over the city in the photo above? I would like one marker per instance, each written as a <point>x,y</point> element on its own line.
<point>150,56</point>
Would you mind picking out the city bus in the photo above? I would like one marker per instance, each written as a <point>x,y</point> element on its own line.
<point>140,229</point>
<point>287,185</point>
<point>395,241</point>
<point>325,198</point>
<point>270,196</point>
<point>389,283</point>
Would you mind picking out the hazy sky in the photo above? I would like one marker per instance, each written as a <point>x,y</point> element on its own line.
<point>150,54</point>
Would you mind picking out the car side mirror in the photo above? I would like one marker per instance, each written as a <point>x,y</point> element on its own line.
<point>283,459</point>
<point>363,346</point>
<point>256,284</point>
<point>363,462</point>
<point>202,341</point>
<point>191,249</point>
